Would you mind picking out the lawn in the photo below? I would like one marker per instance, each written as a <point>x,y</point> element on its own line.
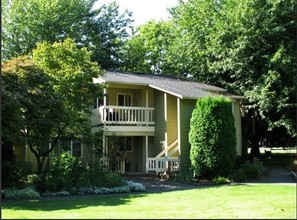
<point>228,201</point>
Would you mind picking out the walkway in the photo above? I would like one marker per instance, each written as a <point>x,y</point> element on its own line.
<point>153,184</point>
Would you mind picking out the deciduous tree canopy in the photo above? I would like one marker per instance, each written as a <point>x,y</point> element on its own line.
<point>245,46</point>
<point>102,30</point>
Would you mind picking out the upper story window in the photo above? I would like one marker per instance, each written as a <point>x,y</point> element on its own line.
<point>124,99</point>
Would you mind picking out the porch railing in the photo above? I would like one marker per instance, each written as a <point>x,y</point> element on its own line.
<point>164,161</point>
<point>114,165</point>
<point>123,115</point>
<point>162,164</point>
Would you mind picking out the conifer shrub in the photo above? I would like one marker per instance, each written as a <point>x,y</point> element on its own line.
<point>212,138</point>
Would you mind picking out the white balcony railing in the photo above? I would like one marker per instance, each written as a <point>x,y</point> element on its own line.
<point>162,164</point>
<point>123,115</point>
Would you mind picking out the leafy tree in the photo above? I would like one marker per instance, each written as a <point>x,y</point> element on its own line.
<point>27,22</point>
<point>73,73</point>
<point>248,47</point>
<point>212,137</point>
<point>49,97</point>
<point>31,109</point>
<point>147,51</point>
<point>108,33</point>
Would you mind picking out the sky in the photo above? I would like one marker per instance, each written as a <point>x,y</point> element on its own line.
<point>143,10</point>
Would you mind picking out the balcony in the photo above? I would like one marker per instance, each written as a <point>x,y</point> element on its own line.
<point>123,115</point>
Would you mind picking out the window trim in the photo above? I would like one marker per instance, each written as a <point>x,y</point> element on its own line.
<point>124,94</point>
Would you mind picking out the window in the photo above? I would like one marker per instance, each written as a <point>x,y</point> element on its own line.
<point>98,102</point>
<point>67,145</point>
<point>76,149</point>
<point>125,144</point>
<point>124,100</point>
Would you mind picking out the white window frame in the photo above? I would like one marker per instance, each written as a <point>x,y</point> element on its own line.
<point>81,149</point>
<point>125,94</point>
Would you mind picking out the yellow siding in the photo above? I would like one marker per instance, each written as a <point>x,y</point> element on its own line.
<point>160,123</point>
<point>30,157</point>
<point>138,95</point>
<point>19,152</point>
<point>172,120</point>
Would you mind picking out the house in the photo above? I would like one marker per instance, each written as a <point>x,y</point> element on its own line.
<point>147,117</point>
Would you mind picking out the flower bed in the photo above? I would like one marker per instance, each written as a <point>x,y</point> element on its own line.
<point>30,193</point>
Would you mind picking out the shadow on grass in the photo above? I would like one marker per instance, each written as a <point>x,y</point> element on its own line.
<point>70,202</point>
<point>83,201</point>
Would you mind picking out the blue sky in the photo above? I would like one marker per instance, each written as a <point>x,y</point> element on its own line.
<point>144,10</point>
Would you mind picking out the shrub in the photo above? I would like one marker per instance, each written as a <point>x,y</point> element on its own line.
<point>113,180</point>
<point>221,180</point>
<point>26,193</point>
<point>51,194</point>
<point>129,186</point>
<point>135,187</point>
<point>212,138</point>
<point>238,176</point>
<point>92,176</point>
<point>33,179</point>
<point>250,170</point>
<point>64,174</point>
<point>14,173</point>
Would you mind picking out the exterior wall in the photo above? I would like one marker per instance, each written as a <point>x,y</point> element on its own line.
<point>186,109</point>
<point>238,129</point>
<point>20,152</point>
<point>171,119</point>
<point>138,95</point>
<point>30,157</point>
<point>160,123</point>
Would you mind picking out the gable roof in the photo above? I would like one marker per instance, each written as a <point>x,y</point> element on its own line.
<point>184,89</point>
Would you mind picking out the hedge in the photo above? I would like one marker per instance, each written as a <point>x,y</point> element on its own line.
<point>212,137</point>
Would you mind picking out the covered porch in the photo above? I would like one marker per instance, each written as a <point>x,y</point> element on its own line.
<point>137,154</point>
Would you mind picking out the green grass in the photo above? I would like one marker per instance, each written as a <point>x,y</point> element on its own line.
<point>237,201</point>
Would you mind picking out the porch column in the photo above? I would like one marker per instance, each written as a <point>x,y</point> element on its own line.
<point>178,125</point>
<point>104,96</point>
<point>146,105</point>
<point>146,154</point>
<point>166,128</point>
<point>165,118</point>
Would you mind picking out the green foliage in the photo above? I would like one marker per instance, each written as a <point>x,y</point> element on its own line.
<point>26,193</point>
<point>147,51</point>
<point>252,58</point>
<point>72,70</point>
<point>212,138</point>
<point>33,179</point>
<point>40,97</point>
<point>113,180</point>
<point>68,174</point>
<point>108,33</point>
<point>28,101</point>
<point>14,173</point>
<point>64,174</point>
<point>238,176</point>
<point>248,170</point>
<point>220,180</point>
<point>245,46</point>
<point>27,22</point>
